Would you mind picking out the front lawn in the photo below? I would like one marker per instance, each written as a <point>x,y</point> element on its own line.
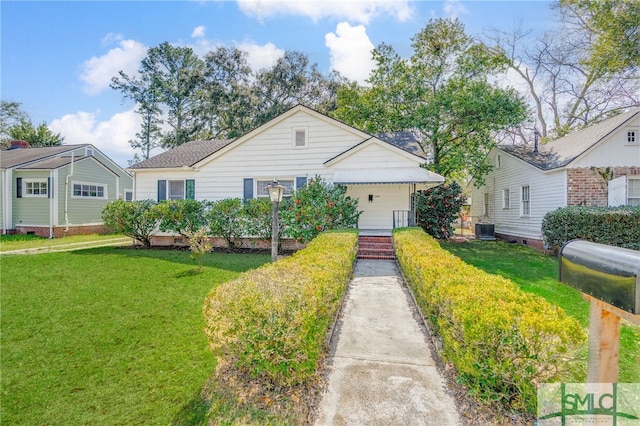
<point>22,241</point>
<point>537,273</point>
<point>107,336</point>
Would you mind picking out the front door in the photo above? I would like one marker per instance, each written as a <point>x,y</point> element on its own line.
<point>377,203</point>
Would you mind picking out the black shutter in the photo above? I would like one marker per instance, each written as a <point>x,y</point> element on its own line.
<point>190,189</point>
<point>301,182</point>
<point>18,187</point>
<point>248,189</point>
<point>162,190</point>
<point>49,188</point>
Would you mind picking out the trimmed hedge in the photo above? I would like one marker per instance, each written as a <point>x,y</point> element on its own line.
<point>615,226</point>
<point>502,341</point>
<point>270,324</point>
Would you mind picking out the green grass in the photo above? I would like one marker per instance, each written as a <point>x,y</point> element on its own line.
<point>21,241</point>
<point>537,273</point>
<point>107,336</point>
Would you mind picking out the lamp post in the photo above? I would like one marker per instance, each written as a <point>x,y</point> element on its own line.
<point>276,192</point>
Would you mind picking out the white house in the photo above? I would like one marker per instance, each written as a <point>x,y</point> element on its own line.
<point>381,172</point>
<point>596,166</point>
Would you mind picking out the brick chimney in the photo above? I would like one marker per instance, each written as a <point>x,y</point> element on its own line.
<point>19,144</point>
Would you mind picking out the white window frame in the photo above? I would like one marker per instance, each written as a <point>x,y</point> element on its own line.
<point>28,189</point>
<point>506,198</point>
<point>183,184</point>
<point>261,187</point>
<point>525,200</point>
<point>296,130</point>
<point>632,136</point>
<point>89,152</point>
<point>485,204</point>
<point>88,190</point>
<point>635,196</point>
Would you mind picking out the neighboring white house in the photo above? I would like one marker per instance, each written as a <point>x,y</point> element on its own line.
<point>293,147</point>
<point>596,166</point>
<point>55,191</point>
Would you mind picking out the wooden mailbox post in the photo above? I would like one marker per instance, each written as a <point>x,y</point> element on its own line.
<point>609,279</point>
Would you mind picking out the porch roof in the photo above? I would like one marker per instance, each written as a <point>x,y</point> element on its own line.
<point>386,176</point>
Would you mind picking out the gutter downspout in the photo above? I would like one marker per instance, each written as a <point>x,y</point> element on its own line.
<point>51,203</point>
<point>66,196</point>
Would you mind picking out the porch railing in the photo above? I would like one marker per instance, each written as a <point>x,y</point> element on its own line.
<point>404,218</point>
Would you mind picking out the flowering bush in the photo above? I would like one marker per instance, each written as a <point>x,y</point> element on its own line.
<point>317,207</point>
<point>438,207</point>
<point>184,217</point>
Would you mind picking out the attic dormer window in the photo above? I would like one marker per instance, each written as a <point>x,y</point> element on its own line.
<point>88,152</point>
<point>632,137</point>
<point>300,138</point>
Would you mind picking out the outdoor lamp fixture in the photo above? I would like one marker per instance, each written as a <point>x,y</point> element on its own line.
<point>276,192</point>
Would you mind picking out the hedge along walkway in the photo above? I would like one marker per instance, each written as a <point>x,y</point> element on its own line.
<point>119,241</point>
<point>381,369</point>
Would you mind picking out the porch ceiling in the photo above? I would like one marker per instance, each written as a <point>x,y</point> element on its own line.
<point>386,175</point>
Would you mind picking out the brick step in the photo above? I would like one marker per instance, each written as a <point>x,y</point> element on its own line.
<point>372,247</point>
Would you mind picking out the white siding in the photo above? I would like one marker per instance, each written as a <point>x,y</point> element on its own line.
<point>386,198</point>
<point>374,156</point>
<point>547,192</point>
<point>614,151</point>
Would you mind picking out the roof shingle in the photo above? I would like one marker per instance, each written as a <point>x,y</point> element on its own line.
<point>186,154</point>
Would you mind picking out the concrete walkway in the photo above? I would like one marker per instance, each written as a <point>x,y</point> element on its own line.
<point>381,369</point>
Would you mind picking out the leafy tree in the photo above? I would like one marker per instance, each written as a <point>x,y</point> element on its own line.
<point>36,136</point>
<point>199,244</point>
<point>614,23</point>
<point>438,207</point>
<point>317,207</point>
<point>135,219</point>
<point>580,73</point>
<point>225,220</point>
<point>225,96</point>
<point>10,115</point>
<point>443,93</point>
<point>184,217</point>
<point>146,96</point>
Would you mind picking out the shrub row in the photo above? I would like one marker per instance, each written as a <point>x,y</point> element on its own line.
<point>270,323</point>
<point>502,341</point>
<point>616,226</point>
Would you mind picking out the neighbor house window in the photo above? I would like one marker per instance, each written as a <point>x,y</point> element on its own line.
<point>36,188</point>
<point>506,201</point>
<point>633,192</point>
<point>262,191</point>
<point>525,206</point>
<point>89,190</point>
<point>300,138</point>
<point>485,204</point>
<point>128,195</point>
<point>88,152</point>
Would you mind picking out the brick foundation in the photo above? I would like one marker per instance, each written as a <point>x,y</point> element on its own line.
<point>61,231</point>
<point>536,244</point>
<point>286,244</point>
<point>588,186</point>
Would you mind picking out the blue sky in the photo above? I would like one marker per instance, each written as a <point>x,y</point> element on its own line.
<point>57,57</point>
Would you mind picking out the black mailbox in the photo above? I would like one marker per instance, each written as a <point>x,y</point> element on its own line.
<point>608,273</point>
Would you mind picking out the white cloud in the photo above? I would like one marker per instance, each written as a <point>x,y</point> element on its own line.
<point>350,50</point>
<point>198,32</point>
<point>112,38</point>
<point>454,8</point>
<point>260,57</point>
<point>111,136</point>
<point>354,11</point>
<point>98,71</point>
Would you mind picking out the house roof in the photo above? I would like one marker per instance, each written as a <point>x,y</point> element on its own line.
<point>51,163</point>
<point>560,152</point>
<point>186,154</point>
<point>21,156</point>
<point>386,175</point>
<point>404,140</point>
